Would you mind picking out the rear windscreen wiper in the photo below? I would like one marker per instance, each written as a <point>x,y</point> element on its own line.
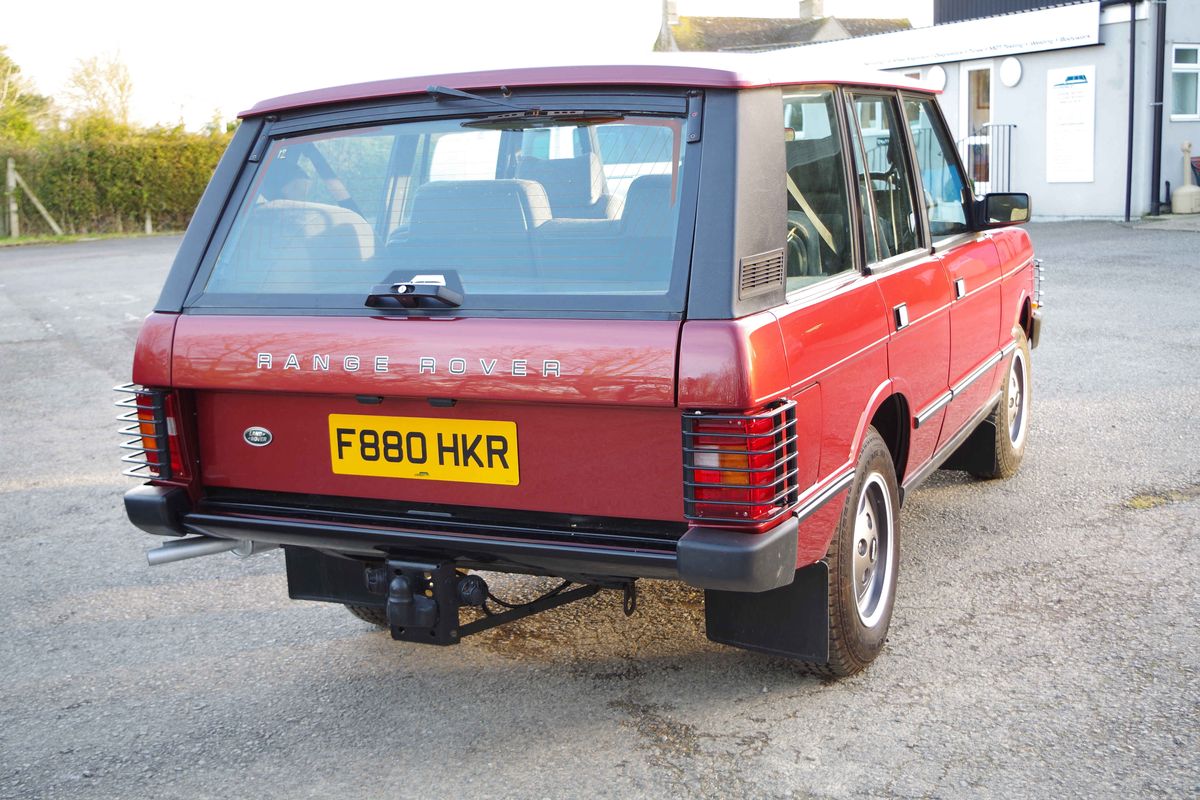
<point>539,118</point>
<point>445,91</point>
<point>522,117</point>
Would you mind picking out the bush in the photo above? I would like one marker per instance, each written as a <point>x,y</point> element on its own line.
<point>99,176</point>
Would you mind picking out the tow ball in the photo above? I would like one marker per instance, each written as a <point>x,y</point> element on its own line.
<point>423,601</point>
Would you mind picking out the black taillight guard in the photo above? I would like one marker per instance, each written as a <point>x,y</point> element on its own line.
<point>145,462</point>
<point>785,463</point>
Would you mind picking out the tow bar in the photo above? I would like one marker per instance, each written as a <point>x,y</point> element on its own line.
<point>423,601</point>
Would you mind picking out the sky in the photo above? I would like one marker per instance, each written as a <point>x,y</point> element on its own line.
<point>192,62</point>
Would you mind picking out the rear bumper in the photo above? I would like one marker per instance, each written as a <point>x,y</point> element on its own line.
<point>708,558</point>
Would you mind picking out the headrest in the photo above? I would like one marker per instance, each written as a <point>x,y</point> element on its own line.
<point>569,182</point>
<point>296,222</point>
<point>648,206</point>
<point>476,208</point>
<point>808,151</point>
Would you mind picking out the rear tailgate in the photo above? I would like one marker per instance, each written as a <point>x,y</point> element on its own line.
<point>546,415</point>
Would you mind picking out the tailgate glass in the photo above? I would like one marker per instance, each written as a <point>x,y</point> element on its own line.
<point>578,214</point>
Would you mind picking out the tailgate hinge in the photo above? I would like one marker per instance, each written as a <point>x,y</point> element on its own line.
<point>695,115</point>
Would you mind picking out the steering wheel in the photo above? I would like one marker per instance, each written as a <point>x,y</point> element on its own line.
<point>797,243</point>
<point>887,179</point>
<point>803,246</point>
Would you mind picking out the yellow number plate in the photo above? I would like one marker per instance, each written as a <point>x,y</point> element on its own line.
<point>461,450</point>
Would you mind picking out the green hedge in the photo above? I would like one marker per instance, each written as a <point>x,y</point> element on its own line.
<point>103,178</point>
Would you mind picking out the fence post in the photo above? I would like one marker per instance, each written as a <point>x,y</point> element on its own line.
<point>54,226</point>
<point>10,192</point>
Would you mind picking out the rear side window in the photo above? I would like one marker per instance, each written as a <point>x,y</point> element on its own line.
<point>524,218</point>
<point>818,206</point>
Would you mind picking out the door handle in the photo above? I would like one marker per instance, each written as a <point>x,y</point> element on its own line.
<point>960,288</point>
<point>901,316</point>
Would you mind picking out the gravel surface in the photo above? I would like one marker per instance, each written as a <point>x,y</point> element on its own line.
<point>1046,641</point>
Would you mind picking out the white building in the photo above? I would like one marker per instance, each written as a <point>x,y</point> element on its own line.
<point>1040,100</point>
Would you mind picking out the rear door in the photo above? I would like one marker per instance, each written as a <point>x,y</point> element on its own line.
<point>833,325</point>
<point>916,291</point>
<point>535,372</point>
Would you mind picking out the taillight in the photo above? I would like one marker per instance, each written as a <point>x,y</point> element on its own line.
<point>150,423</point>
<point>739,467</point>
<point>1039,274</point>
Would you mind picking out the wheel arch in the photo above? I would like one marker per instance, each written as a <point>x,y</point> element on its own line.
<point>1025,315</point>
<point>892,418</point>
<point>888,407</point>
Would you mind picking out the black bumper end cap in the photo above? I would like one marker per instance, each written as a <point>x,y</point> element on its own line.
<point>158,509</point>
<point>729,560</point>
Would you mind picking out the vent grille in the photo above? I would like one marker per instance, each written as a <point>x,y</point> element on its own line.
<point>144,430</point>
<point>760,274</point>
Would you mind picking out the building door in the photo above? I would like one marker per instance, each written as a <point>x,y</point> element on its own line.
<point>974,122</point>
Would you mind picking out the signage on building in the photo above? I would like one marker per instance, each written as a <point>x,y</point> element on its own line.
<point>1007,34</point>
<point>1071,125</point>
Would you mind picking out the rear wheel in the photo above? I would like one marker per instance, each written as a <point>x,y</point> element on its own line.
<point>373,614</point>
<point>863,561</point>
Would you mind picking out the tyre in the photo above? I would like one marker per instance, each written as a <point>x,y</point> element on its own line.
<point>1010,419</point>
<point>376,615</point>
<point>863,560</point>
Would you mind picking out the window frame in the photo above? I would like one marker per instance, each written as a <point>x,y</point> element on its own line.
<point>924,247</point>
<point>834,282</point>
<point>945,242</point>
<point>1178,67</point>
<point>315,123</point>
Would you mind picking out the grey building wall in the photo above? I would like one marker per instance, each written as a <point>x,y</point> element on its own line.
<point>1183,27</point>
<point>1025,105</point>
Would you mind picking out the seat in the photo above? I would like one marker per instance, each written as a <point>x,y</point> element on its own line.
<point>575,187</point>
<point>477,228</point>
<point>648,222</point>
<point>295,245</point>
<point>815,168</point>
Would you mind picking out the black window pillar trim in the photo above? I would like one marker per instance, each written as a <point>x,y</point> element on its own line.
<point>200,230</point>
<point>918,180</point>
<point>736,215</point>
<point>842,101</point>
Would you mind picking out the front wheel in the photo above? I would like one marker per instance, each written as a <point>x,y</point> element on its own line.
<point>1010,418</point>
<point>864,559</point>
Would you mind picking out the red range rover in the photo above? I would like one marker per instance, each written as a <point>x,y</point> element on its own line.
<point>706,322</point>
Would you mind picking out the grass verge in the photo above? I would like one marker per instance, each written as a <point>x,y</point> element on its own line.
<point>74,237</point>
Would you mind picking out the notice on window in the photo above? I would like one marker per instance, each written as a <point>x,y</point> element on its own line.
<point>1071,125</point>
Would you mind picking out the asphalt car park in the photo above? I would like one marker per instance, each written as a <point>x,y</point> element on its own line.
<point>1046,640</point>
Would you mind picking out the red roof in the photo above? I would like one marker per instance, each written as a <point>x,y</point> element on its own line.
<point>706,71</point>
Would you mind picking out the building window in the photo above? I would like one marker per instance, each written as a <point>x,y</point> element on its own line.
<point>1185,82</point>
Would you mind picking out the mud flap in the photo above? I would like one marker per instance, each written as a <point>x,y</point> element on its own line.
<point>791,621</point>
<point>978,453</point>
